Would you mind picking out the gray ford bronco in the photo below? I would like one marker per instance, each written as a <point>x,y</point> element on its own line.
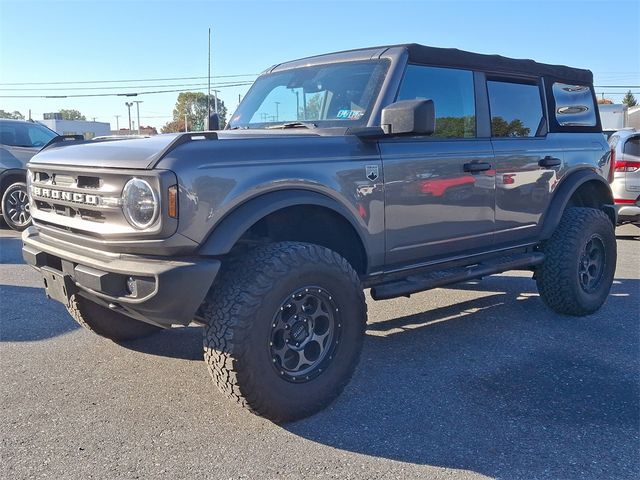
<point>399,169</point>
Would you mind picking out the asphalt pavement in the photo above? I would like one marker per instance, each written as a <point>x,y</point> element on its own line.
<point>479,380</point>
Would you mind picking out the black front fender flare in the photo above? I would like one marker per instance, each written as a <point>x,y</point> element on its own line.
<point>229,230</point>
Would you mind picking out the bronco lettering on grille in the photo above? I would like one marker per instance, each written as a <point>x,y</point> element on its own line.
<point>50,193</point>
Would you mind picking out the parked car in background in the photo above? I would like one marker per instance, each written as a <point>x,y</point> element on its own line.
<point>19,141</point>
<point>625,147</point>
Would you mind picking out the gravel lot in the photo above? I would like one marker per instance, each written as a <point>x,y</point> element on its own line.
<point>475,381</point>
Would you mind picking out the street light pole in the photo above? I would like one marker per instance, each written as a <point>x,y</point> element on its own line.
<point>117,122</point>
<point>138,102</point>
<point>129,105</point>
<point>215,100</point>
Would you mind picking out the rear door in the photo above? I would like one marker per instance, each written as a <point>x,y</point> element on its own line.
<point>434,206</point>
<point>526,158</point>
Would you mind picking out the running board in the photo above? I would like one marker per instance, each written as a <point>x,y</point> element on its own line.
<point>439,278</point>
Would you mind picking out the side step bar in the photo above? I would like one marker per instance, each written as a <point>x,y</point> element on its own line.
<point>427,281</point>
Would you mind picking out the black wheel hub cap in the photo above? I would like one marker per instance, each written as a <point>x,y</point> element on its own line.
<point>305,332</point>
<point>591,264</point>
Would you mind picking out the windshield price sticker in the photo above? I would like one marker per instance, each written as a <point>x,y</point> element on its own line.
<point>350,114</point>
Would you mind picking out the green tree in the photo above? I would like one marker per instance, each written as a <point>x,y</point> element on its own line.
<point>71,115</point>
<point>455,127</point>
<point>629,100</point>
<point>16,115</point>
<point>314,105</point>
<point>194,106</point>
<point>501,128</point>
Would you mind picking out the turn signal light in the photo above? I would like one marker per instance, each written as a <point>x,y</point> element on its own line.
<point>173,201</point>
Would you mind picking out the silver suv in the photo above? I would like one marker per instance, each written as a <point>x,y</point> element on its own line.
<point>19,141</point>
<point>625,148</point>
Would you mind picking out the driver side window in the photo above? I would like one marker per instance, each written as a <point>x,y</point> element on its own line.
<point>452,93</point>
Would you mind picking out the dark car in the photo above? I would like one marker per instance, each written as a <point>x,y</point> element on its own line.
<point>19,141</point>
<point>399,168</point>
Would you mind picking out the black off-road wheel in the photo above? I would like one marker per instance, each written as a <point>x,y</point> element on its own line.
<point>580,262</point>
<point>284,330</point>
<point>107,323</point>
<point>15,206</point>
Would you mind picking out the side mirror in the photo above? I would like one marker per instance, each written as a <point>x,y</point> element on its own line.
<point>214,122</point>
<point>416,117</point>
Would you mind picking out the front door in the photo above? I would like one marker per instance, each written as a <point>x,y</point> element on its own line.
<point>440,189</point>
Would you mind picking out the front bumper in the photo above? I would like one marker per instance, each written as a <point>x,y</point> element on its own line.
<point>158,290</point>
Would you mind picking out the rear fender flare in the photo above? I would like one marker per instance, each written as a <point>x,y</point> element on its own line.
<point>563,195</point>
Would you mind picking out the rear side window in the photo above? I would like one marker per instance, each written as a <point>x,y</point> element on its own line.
<point>453,97</point>
<point>632,147</point>
<point>574,105</point>
<point>516,109</point>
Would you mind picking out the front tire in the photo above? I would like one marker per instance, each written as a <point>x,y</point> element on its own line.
<point>284,330</point>
<point>107,323</point>
<point>15,206</point>
<point>580,262</point>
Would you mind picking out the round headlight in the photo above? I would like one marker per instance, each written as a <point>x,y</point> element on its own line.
<point>139,203</point>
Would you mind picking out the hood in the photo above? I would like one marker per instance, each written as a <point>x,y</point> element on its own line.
<point>130,153</point>
<point>141,153</point>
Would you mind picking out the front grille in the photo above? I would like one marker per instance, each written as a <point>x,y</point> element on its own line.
<point>88,198</point>
<point>86,201</point>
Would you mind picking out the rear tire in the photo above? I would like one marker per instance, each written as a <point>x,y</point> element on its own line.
<point>580,262</point>
<point>285,326</point>
<point>15,206</point>
<point>107,323</point>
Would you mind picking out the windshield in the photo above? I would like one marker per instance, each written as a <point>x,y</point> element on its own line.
<point>324,96</point>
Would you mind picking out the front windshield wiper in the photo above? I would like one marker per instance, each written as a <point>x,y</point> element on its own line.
<point>291,125</point>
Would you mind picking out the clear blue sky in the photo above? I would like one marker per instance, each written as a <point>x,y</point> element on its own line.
<point>63,41</point>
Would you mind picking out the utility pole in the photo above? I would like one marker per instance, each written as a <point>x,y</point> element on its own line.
<point>209,85</point>
<point>129,105</point>
<point>185,123</point>
<point>117,122</point>
<point>138,102</point>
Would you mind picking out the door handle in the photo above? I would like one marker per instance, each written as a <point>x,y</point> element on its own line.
<point>549,161</point>
<point>476,167</point>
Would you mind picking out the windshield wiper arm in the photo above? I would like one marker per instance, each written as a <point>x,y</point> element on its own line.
<point>292,125</point>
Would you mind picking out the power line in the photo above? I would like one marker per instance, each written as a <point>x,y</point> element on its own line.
<point>169,79</point>
<point>120,87</point>
<point>132,94</point>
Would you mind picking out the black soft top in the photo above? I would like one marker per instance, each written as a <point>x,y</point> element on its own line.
<point>452,57</point>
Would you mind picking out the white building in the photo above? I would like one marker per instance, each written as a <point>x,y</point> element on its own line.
<point>78,127</point>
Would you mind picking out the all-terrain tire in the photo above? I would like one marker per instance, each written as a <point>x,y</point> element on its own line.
<point>15,206</point>
<point>580,262</point>
<point>241,311</point>
<point>107,323</point>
